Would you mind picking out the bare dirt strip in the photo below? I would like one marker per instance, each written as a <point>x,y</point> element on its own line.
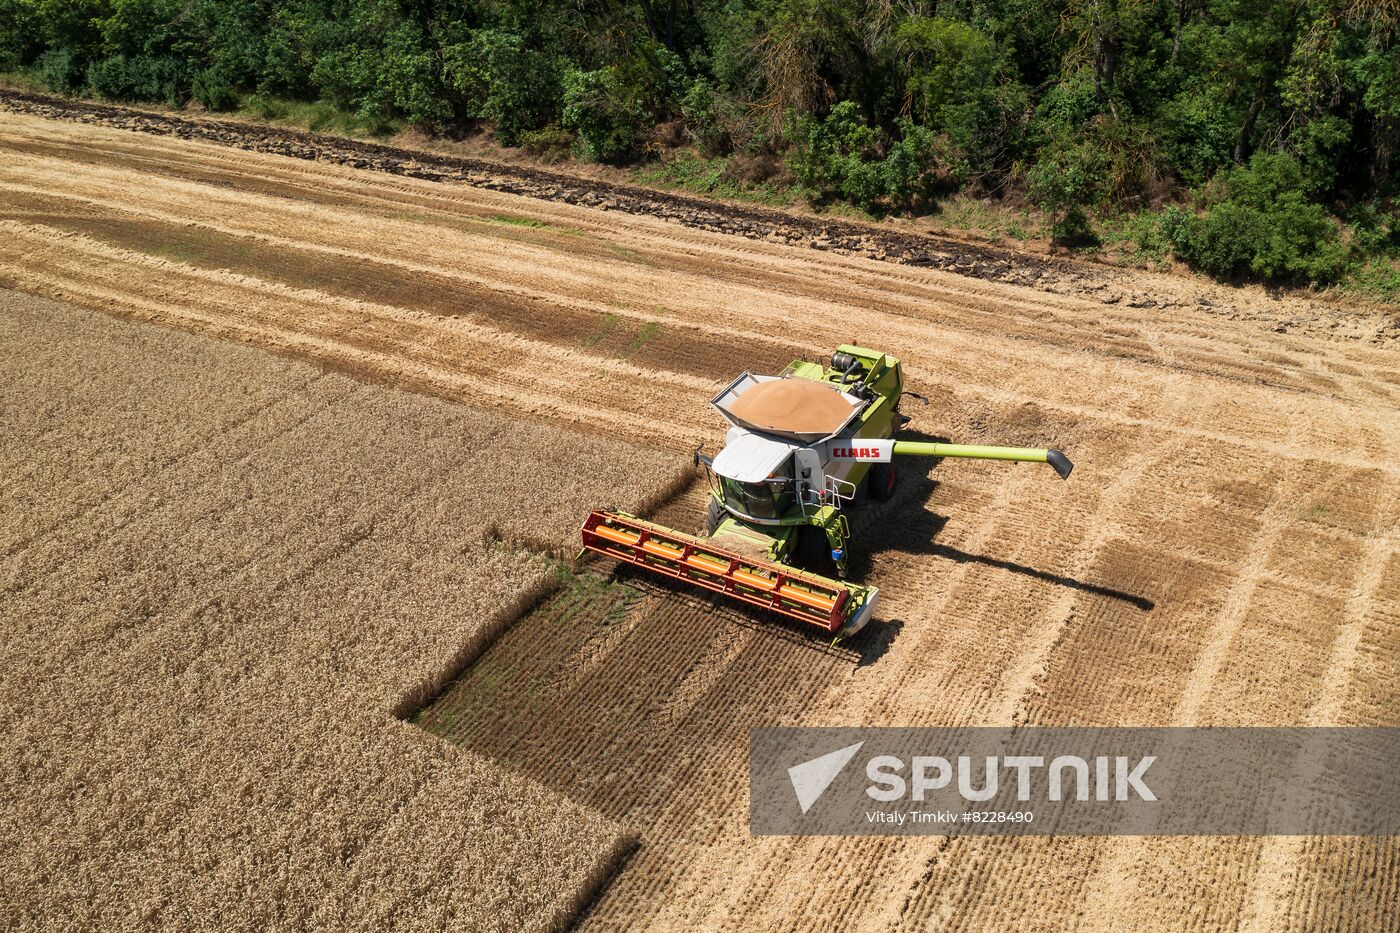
<point>1224,554</point>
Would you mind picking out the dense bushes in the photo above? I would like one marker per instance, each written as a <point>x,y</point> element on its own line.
<point>607,115</point>
<point>1067,179</point>
<point>502,80</point>
<point>843,156</point>
<point>1260,222</point>
<point>141,77</point>
<point>1265,122</point>
<point>61,70</point>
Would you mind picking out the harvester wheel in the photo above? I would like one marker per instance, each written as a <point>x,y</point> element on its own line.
<point>812,551</point>
<point>881,482</point>
<point>714,514</point>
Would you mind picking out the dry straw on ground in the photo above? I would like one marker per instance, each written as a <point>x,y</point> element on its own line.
<point>221,572</point>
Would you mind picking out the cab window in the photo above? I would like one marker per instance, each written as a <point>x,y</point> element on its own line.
<point>766,499</point>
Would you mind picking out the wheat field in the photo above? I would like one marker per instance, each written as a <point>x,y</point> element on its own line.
<point>1226,553</point>
<point>222,575</point>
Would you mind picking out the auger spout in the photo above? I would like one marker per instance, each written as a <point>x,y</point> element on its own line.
<point>1057,460</point>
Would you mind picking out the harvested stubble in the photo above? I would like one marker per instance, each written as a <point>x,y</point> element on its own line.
<point>221,573</point>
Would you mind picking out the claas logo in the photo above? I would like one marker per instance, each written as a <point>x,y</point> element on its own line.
<point>870,451</point>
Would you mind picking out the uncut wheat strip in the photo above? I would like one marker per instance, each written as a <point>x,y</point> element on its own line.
<point>609,461</point>
<point>430,847</point>
<point>150,749</point>
<point>302,552</point>
<point>436,491</point>
<point>95,523</point>
<point>87,508</point>
<point>435,380</point>
<point>562,493</point>
<point>230,871</point>
<point>61,472</point>
<point>466,608</point>
<point>94,404</point>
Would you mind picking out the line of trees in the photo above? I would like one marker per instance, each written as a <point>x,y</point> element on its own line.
<point>1262,135</point>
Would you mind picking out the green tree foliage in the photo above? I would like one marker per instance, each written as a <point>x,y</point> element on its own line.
<point>612,108</point>
<point>1261,222</point>
<point>704,119</point>
<point>960,85</point>
<point>1065,181</point>
<point>843,156</point>
<point>1269,126</point>
<point>500,79</point>
<point>19,33</point>
<point>140,77</point>
<point>606,113</point>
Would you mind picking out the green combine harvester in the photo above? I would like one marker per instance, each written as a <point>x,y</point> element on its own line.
<point>799,447</point>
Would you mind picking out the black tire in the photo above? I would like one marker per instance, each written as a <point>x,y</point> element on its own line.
<point>812,551</point>
<point>714,515</point>
<point>881,482</point>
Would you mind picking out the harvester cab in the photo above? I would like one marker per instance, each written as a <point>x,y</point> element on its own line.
<point>800,446</point>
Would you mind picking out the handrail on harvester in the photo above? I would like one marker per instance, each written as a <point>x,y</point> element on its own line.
<point>808,597</point>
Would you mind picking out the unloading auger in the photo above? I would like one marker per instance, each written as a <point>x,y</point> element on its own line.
<point>799,447</point>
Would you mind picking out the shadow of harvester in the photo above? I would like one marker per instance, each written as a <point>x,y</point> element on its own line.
<point>906,524</point>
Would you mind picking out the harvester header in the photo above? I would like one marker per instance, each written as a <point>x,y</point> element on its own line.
<point>801,446</point>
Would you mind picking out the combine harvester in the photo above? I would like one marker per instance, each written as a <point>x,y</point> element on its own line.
<point>799,447</point>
